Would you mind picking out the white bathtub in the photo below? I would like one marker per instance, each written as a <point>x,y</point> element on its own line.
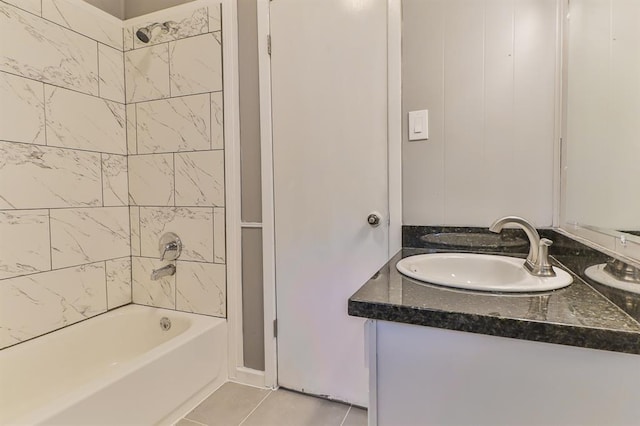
<point>119,368</point>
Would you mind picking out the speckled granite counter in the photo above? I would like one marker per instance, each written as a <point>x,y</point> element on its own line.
<point>577,315</point>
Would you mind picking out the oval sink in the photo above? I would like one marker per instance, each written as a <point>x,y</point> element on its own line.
<point>479,272</point>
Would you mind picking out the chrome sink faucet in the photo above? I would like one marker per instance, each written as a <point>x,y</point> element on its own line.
<point>537,262</point>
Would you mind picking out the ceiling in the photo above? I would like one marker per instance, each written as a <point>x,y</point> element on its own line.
<point>126,9</point>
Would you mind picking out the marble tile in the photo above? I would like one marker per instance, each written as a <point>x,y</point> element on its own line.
<point>134,220</point>
<point>151,181</point>
<point>219,235</point>
<point>159,293</point>
<point>147,73</point>
<point>200,178</point>
<point>194,226</point>
<point>118,273</point>
<point>215,19</point>
<point>132,143</point>
<point>111,73</point>
<point>24,247</point>
<point>196,65</point>
<point>84,19</point>
<point>201,288</point>
<point>49,177</point>
<point>187,422</point>
<point>115,185</point>
<point>217,121</point>
<point>88,235</point>
<point>128,36</point>
<point>187,23</point>
<point>21,110</point>
<point>36,304</point>
<point>75,120</point>
<point>33,6</point>
<point>47,52</point>
<point>172,125</point>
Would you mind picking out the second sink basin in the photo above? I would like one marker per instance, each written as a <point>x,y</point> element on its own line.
<point>479,272</point>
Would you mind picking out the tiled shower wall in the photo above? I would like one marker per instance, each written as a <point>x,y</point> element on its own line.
<point>71,215</point>
<point>176,159</point>
<point>64,215</point>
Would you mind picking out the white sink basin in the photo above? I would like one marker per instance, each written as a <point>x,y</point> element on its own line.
<point>480,272</point>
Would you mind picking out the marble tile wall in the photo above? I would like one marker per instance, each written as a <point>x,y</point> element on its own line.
<point>175,143</point>
<point>65,242</point>
<point>105,144</point>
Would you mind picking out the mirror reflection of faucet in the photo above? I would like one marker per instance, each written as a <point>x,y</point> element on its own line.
<point>170,247</point>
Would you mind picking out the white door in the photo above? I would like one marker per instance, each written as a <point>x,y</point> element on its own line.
<point>329,106</point>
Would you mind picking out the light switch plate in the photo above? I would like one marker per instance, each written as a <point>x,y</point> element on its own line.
<point>419,125</point>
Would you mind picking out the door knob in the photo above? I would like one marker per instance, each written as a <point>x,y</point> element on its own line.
<point>373,219</point>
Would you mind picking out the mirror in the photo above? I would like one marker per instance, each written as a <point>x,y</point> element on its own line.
<point>601,131</point>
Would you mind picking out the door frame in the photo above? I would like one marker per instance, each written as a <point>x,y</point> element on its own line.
<point>394,158</point>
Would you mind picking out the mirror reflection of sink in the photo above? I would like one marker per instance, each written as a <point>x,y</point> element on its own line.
<point>599,274</point>
<point>480,272</point>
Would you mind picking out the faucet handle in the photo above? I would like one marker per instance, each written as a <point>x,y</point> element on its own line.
<point>170,246</point>
<point>543,266</point>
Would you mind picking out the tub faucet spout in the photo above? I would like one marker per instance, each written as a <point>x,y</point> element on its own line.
<point>165,271</point>
<point>537,262</point>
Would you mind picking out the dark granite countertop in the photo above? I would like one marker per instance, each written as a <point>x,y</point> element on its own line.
<point>577,315</point>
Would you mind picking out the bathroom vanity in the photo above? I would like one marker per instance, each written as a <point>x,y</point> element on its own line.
<point>440,356</point>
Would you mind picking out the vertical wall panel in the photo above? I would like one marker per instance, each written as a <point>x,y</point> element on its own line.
<point>534,107</point>
<point>486,72</point>
<point>422,88</point>
<point>463,110</point>
<point>498,98</point>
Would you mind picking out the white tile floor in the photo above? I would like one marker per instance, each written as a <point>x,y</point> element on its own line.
<point>234,404</point>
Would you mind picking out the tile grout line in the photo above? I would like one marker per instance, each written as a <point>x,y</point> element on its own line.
<point>62,87</point>
<point>346,415</point>
<point>106,287</point>
<point>102,177</point>
<point>44,111</point>
<point>256,407</point>
<point>108,99</point>
<point>98,67</point>
<point>50,243</point>
<point>41,16</point>
<point>190,420</point>
<point>66,267</point>
<point>72,149</point>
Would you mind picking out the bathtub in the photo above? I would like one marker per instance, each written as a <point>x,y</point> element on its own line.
<point>119,368</point>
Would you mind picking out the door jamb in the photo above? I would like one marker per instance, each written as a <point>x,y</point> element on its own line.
<point>268,224</point>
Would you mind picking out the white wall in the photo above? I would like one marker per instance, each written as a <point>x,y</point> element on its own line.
<point>486,71</point>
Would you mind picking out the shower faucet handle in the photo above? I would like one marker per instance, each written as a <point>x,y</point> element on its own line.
<point>170,246</point>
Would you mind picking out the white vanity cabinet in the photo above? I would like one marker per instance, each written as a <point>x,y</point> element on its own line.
<point>429,376</point>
